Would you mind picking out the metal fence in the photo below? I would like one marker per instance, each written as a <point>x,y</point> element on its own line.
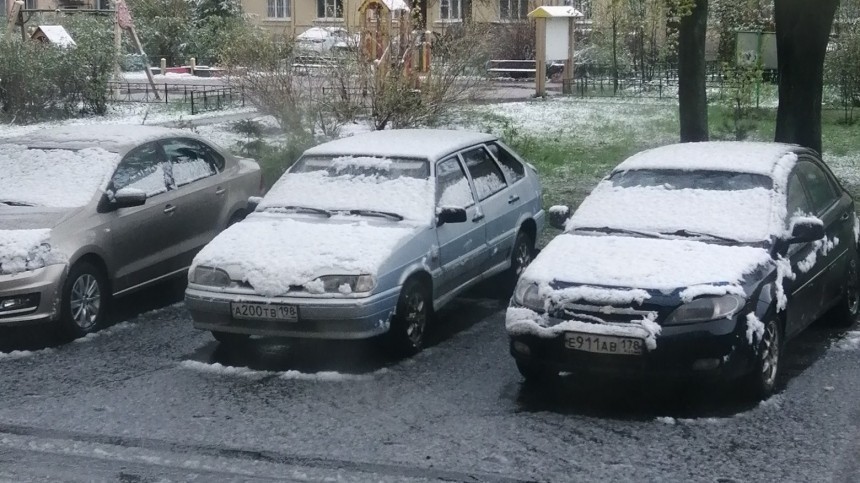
<point>198,97</point>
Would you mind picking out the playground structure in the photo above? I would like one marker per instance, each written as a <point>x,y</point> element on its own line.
<point>387,40</point>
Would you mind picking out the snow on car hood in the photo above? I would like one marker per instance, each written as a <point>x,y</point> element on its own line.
<point>59,178</point>
<point>411,198</point>
<point>22,250</point>
<point>744,215</point>
<point>273,252</point>
<point>636,265</point>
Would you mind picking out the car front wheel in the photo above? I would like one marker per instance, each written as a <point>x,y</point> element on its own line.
<point>848,309</point>
<point>761,383</point>
<point>409,323</point>
<point>84,302</point>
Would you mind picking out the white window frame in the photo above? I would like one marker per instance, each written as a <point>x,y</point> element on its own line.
<point>514,11</point>
<point>272,9</point>
<point>457,17</point>
<point>330,6</point>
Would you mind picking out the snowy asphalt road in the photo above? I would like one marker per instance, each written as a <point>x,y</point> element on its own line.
<point>145,401</point>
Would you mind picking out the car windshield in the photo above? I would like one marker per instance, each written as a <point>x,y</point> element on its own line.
<point>393,189</point>
<point>700,180</point>
<point>712,206</point>
<point>53,178</point>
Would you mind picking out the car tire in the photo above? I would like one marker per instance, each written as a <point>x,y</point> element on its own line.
<point>235,218</point>
<point>85,299</point>
<point>532,372</point>
<point>845,313</point>
<point>409,323</point>
<point>522,255</point>
<point>761,382</point>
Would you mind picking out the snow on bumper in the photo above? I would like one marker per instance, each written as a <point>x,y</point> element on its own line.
<point>524,321</point>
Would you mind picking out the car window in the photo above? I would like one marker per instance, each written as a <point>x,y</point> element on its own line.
<point>452,187</point>
<point>510,165</point>
<point>485,172</point>
<point>190,160</point>
<point>142,168</point>
<point>798,202</point>
<point>821,191</point>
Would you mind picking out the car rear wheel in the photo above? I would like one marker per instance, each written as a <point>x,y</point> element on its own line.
<point>847,310</point>
<point>405,337</point>
<point>761,383</point>
<point>85,300</point>
<point>532,372</point>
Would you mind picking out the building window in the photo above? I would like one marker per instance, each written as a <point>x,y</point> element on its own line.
<point>279,9</point>
<point>329,8</point>
<point>450,10</point>
<point>513,9</point>
<point>104,5</point>
<point>30,4</point>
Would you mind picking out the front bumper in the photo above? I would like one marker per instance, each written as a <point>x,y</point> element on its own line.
<point>319,318</point>
<point>46,282</point>
<point>708,350</point>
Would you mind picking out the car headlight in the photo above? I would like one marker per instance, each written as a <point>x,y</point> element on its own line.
<point>705,309</point>
<point>213,277</point>
<point>346,284</point>
<point>528,295</point>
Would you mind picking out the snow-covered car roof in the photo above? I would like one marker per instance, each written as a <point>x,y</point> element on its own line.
<point>429,144</point>
<point>733,156</point>
<point>115,138</point>
<point>319,32</point>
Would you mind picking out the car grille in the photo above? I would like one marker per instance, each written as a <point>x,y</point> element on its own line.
<point>601,313</point>
<point>293,288</point>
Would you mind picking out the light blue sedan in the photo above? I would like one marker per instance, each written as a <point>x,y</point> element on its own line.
<point>368,236</point>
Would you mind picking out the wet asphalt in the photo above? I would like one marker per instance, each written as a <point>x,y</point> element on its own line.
<point>152,399</point>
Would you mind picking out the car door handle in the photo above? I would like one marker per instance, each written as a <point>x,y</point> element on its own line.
<point>478,218</point>
<point>845,216</point>
<point>513,199</point>
<point>169,209</point>
<point>220,191</point>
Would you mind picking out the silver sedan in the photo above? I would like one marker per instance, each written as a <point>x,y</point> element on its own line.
<point>368,235</point>
<point>88,213</point>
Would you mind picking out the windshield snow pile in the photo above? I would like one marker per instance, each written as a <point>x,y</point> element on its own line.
<point>355,183</point>
<point>273,252</point>
<point>711,188</point>
<point>22,250</point>
<point>56,178</point>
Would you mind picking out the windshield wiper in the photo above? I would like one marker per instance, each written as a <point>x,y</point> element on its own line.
<point>689,233</point>
<point>384,214</point>
<point>301,209</point>
<point>608,229</point>
<point>15,203</point>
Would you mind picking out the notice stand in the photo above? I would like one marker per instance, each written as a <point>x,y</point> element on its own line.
<point>554,29</point>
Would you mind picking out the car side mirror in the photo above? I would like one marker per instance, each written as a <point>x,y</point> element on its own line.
<point>450,215</point>
<point>558,216</point>
<point>806,229</point>
<point>253,203</point>
<point>128,197</point>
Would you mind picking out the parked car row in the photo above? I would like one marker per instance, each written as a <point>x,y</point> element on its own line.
<point>696,260</point>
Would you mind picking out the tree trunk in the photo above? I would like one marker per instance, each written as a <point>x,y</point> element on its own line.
<point>692,98</point>
<point>802,33</point>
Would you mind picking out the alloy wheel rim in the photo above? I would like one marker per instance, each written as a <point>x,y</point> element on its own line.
<point>770,354</point>
<point>852,289</point>
<point>522,258</point>
<point>85,301</point>
<point>416,317</point>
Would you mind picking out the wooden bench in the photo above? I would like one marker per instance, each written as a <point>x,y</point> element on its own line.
<point>520,68</point>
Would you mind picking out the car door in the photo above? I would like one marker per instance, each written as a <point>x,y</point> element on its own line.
<point>835,209</point>
<point>462,246</point>
<point>497,203</point>
<point>196,176</point>
<point>142,236</point>
<point>801,290</point>
<point>522,193</point>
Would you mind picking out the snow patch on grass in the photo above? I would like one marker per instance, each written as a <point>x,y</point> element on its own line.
<point>666,420</point>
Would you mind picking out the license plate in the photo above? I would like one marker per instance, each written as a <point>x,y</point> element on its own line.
<point>603,344</point>
<point>255,311</point>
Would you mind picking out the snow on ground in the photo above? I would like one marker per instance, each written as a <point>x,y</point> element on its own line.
<point>322,376</point>
<point>107,332</point>
<point>8,356</point>
<point>850,342</point>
